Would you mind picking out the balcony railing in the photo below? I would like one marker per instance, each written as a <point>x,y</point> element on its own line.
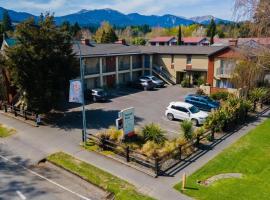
<point>224,72</point>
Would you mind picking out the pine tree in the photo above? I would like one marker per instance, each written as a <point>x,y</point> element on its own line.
<point>7,24</point>
<point>105,34</point>
<point>212,30</point>
<point>75,29</point>
<point>179,40</point>
<point>42,63</point>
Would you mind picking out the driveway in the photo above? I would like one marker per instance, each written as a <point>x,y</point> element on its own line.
<point>149,107</point>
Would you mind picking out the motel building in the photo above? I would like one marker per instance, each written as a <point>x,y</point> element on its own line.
<point>112,65</point>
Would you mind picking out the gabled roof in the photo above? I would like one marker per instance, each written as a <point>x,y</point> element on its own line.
<point>162,39</point>
<point>193,39</point>
<point>11,41</point>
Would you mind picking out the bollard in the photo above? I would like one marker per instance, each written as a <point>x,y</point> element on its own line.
<point>184,180</point>
<point>156,167</point>
<point>127,154</point>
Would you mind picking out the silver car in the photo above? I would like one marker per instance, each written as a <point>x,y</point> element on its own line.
<point>155,80</point>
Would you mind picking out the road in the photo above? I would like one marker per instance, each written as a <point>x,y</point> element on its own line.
<point>43,182</point>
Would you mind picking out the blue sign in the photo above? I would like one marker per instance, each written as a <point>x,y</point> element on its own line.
<point>75,91</point>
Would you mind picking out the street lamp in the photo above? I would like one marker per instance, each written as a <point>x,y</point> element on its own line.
<point>84,138</point>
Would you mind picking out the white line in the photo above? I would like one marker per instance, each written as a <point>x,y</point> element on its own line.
<point>21,195</point>
<point>43,177</point>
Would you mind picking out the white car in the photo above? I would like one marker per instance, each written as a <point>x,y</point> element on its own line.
<point>185,111</point>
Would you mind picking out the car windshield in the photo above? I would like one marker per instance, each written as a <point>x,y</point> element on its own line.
<point>194,109</point>
<point>101,93</point>
<point>155,79</point>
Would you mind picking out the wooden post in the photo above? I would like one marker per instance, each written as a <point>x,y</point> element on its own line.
<point>180,153</point>
<point>184,179</point>
<point>5,107</point>
<point>127,154</point>
<point>156,167</point>
<point>198,141</point>
<point>15,112</point>
<point>213,135</point>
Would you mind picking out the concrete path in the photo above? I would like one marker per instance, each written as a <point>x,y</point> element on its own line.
<point>33,144</point>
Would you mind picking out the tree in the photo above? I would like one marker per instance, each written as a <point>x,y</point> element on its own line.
<point>211,31</point>
<point>41,63</point>
<point>74,29</point>
<point>179,39</point>
<point>139,41</point>
<point>7,24</point>
<point>105,34</point>
<point>256,95</point>
<point>246,74</point>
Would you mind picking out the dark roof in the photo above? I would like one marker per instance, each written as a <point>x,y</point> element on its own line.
<point>94,50</point>
<point>105,49</point>
<point>183,50</point>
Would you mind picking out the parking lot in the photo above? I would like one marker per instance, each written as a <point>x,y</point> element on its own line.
<point>149,107</point>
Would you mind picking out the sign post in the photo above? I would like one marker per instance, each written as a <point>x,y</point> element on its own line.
<point>126,121</point>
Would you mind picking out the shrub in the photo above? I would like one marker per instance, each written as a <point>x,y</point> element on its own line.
<point>187,129</point>
<point>220,96</point>
<point>216,120</point>
<point>150,149</point>
<point>180,141</point>
<point>200,91</point>
<point>167,148</point>
<point>201,81</point>
<point>199,131</point>
<point>115,134</point>
<point>257,95</point>
<point>153,132</point>
<point>185,83</point>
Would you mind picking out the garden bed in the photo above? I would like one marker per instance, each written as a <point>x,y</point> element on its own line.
<point>5,131</point>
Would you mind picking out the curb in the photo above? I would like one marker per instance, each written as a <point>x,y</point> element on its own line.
<point>109,196</point>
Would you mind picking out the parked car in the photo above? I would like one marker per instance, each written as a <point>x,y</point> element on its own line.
<point>158,83</point>
<point>96,95</point>
<point>185,111</point>
<point>143,84</point>
<point>202,102</point>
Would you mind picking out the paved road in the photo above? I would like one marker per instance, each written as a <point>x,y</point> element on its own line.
<point>41,183</point>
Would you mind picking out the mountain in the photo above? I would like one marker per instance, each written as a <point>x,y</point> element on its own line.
<point>96,17</point>
<point>205,20</point>
<point>16,16</point>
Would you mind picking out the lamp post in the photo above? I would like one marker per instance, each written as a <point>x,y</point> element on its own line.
<point>84,138</point>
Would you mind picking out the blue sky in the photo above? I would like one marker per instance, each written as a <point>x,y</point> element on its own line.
<point>187,8</point>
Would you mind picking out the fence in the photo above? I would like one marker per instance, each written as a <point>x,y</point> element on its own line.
<point>27,115</point>
<point>157,164</point>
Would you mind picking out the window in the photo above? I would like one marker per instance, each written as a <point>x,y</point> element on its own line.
<point>194,109</point>
<point>181,109</point>
<point>189,58</point>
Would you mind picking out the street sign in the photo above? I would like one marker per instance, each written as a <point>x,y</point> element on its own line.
<point>75,91</point>
<point>128,121</point>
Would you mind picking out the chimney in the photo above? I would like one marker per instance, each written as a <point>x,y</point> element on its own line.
<point>85,42</point>
<point>233,42</point>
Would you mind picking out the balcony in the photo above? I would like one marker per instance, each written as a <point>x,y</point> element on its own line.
<point>92,70</point>
<point>137,65</point>
<point>224,72</point>
<point>123,66</point>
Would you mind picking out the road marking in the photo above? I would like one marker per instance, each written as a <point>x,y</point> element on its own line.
<point>21,195</point>
<point>43,177</point>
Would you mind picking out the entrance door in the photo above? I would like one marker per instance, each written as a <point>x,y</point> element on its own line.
<point>179,77</point>
<point>110,81</point>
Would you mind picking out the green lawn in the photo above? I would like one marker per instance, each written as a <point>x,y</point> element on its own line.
<point>250,156</point>
<point>5,132</point>
<point>122,189</point>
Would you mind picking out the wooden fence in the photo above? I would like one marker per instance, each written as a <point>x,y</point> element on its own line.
<point>27,115</point>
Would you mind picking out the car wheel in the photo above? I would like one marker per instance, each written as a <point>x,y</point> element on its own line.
<point>195,122</point>
<point>170,116</point>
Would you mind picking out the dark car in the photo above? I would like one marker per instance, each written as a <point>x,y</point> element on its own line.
<point>202,102</point>
<point>96,95</point>
<point>143,84</point>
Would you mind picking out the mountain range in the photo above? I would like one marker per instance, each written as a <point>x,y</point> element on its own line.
<point>96,17</point>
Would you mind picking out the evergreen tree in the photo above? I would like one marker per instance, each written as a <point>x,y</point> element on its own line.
<point>7,24</point>
<point>179,40</point>
<point>211,31</point>
<point>41,63</point>
<point>105,34</point>
<point>75,29</point>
